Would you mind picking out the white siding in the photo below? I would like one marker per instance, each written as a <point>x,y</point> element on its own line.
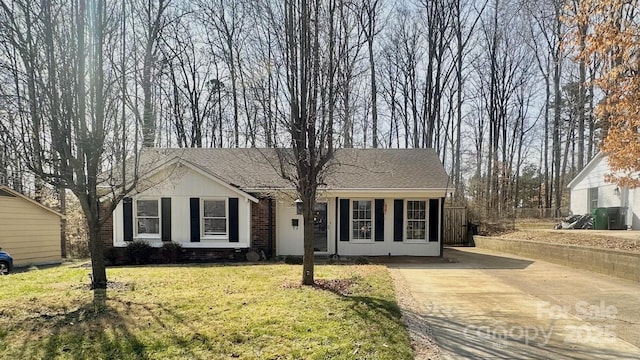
<point>594,175</point>
<point>289,240</point>
<point>180,186</point>
<point>594,178</point>
<point>579,201</point>
<point>633,215</point>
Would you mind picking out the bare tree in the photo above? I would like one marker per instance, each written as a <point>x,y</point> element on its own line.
<point>66,126</point>
<point>311,134</point>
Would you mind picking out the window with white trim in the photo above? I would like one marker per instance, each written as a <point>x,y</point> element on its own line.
<point>148,217</point>
<point>361,224</point>
<point>416,220</point>
<point>214,217</point>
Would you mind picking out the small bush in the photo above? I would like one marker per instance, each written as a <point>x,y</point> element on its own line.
<point>293,260</point>
<point>139,252</point>
<point>110,256</point>
<point>170,252</point>
<point>361,260</point>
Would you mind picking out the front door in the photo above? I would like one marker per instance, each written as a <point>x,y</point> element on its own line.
<point>320,227</point>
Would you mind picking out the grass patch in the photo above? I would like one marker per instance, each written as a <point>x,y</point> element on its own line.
<point>202,312</point>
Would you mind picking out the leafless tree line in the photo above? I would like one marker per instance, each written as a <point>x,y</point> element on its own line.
<point>486,83</point>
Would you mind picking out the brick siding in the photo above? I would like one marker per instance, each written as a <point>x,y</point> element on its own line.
<point>106,229</point>
<point>260,226</point>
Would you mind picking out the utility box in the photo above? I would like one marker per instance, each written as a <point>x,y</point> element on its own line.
<point>617,216</point>
<point>600,219</point>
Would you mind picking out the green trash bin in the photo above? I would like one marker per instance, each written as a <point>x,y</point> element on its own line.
<point>600,219</point>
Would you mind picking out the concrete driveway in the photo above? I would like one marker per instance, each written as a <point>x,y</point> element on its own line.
<point>489,305</point>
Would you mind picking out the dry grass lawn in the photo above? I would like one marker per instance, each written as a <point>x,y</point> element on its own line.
<point>202,312</point>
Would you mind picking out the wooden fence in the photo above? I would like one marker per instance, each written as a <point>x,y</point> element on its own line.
<point>455,226</point>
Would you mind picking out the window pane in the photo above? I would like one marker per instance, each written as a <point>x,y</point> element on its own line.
<point>361,209</point>
<point>416,210</point>
<point>416,230</point>
<point>148,226</point>
<point>147,207</point>
<point>361,229</point>
<point>215,226</point>
<point>214,208</point>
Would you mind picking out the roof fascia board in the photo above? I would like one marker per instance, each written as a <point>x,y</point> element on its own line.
<point>585,170</point>
<point>387,190</point>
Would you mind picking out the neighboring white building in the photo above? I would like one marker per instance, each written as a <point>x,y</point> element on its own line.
<point>589,191</point>
<point>371,202</point>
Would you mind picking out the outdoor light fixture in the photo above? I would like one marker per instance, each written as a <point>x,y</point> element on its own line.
<point>294,223</point>
<point>616,190</point>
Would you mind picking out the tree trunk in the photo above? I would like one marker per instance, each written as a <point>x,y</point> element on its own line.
<point>98,271</point>
<point>62,194</point>
<point>308,259</point>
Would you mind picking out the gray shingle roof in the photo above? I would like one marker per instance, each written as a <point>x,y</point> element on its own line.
<point>253,168</point>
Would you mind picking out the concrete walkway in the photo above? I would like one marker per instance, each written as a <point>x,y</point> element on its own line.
<point>489,305</point>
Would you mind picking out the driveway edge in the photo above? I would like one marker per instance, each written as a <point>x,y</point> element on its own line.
<point>422,341</point>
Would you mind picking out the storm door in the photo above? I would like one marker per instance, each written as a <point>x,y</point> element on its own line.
<point>320,227</point>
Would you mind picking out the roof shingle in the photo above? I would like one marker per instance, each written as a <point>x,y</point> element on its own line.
<point>255,168</point>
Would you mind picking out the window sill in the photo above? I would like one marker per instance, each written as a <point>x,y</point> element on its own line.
<point>147,237</point>
<point>214,238</point>
<point>415,241</point>
<point>361,241</point>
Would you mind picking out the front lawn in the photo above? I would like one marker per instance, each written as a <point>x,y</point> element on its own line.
<point>202,312</point>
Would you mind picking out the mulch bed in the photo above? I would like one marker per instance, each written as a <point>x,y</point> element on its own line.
<point>580,238</point>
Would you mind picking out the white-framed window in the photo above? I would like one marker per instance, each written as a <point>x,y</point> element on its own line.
<point>361,220</point>
<point>214,217</point>
<point>148,217</point>
<point>416,225</point>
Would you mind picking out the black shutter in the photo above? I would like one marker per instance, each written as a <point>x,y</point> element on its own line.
<point>166,219</point>
<point>344,219</point>
<point>194,205</point>
<point>433,219</point>
<point>398,219</point>
<point>379,221</point>
<point>234,226</point>
<point>127,215</point>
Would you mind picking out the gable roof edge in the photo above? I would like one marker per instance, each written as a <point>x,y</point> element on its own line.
<point>215,178</point>
<point>17,194</point>
<point>586,169</point>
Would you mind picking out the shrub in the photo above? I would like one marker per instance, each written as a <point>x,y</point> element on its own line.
<point>110,256</point>
<point>293,260</point>
<point>139,252</point>
<point>361,260</point>
<point>170,252</point>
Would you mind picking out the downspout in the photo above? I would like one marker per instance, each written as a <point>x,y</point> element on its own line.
<point>270,235</point>
<point>440,237</point>
<point>335,230</point>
